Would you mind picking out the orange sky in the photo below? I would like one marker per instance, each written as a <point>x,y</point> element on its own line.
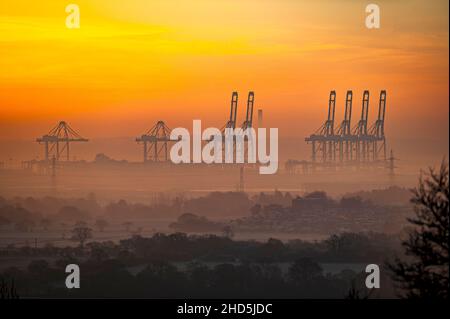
<point>136,61</point>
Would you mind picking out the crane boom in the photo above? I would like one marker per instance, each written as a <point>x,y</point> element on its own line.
<point>233,111</point>
<point>381,114</point>
<point>249,115</point>
<point>329,126</point>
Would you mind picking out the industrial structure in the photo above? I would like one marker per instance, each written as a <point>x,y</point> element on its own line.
<point>260,118</point>
<point>332,145</point>
<point>343,146</point>
<point>231,123</point>
<point>391,165</point>
<point>156,140</point>
<point>248,122</point>
<point>155,143</point>
<point>57,142</point>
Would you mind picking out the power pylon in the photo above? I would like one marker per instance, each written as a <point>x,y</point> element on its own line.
<point>391,164</point>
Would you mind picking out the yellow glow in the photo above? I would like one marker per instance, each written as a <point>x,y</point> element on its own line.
<point>135,61</point>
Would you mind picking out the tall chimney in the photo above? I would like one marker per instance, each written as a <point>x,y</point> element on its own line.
<point>260,117</point>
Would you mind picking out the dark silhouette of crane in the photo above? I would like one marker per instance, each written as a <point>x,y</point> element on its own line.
<point>360,131</point>
<point>377,129</point>
<point>231,123</point>
<point>57,141</point>
<point>354,146</point>
<point>155,143</point>
<point>322,140</point>
<point>361,127</point>
<point>345,131</point>
<point>248,123</point>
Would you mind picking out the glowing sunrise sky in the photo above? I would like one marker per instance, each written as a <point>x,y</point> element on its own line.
<point>133,62</point>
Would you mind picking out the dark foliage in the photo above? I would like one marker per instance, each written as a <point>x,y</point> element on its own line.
<point>425,273</point>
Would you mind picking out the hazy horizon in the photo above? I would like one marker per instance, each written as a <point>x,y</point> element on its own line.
<point>129,66</point>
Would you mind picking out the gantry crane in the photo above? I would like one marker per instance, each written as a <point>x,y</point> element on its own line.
<point>324,136</point>
<point>354,146</point>
<point>155,143</point>
<point>377,129</point>
<point>345,131</point>
<point>360,131</point>
<point>248,123</point>
<point>58,140</point>
<point>231,123</point>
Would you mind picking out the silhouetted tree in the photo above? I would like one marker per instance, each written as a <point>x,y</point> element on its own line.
<point>304,270</point>
<point>356,294</point>
<point>426,274</point>
<point>81,233</point>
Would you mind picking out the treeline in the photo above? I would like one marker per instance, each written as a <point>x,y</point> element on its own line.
<point>179,247</point>
<point>178,265</point>
<point>111,279</point>
<point>32,210</point>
